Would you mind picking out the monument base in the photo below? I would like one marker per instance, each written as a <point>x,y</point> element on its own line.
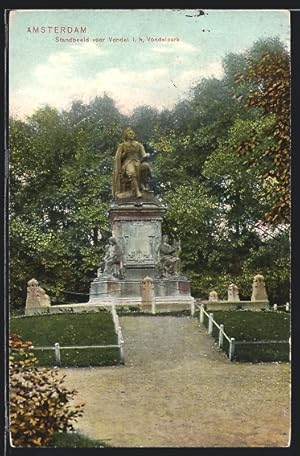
<point>170,293</point>
<point>136,230</point>
<point>160,306</point>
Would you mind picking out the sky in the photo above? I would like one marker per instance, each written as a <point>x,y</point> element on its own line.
<point>44,69</point>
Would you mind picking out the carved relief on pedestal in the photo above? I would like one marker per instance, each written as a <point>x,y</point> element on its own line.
<point>141,240</point>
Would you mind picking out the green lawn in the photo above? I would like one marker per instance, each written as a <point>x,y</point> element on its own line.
<point>70,330</point>
<point>255,326</point>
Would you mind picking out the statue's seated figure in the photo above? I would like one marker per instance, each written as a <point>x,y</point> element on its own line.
<point>169,264</point>
<point>131,172</point>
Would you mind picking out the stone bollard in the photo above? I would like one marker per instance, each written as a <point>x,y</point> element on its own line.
<point>259,292</point>
<point>147,294</point>
<point>287,307</point>
<point>36,296</point>
<point>213,296</point>
<point>233,293</point>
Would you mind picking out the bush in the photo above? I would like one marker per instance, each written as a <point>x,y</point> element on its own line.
<point>39,403</point>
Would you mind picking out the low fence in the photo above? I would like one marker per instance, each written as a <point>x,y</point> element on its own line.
<point>118,331</point>
<point>57,348</point>
<point>286,307</point>
<point>232,343</point>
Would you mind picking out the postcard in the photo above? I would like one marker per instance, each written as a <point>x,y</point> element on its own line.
<point>149,218</point>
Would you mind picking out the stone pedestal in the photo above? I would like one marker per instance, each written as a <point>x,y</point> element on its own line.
<point>136,226</point>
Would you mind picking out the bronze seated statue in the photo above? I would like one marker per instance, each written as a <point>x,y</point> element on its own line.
<point>131,171</point>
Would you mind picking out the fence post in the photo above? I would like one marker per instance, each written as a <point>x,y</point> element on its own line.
<point>113,311</point>
<point>201,316</point>
<point>210,323</point>
<point>221,336</point>
<point>57,353</point>
<point>122,354</point>
<point>192,308</point>
<point>121,343</point>
<point>231,348</point>
<point>287,306</point>
<point>275,307</point>
<point>153,306</point>
<point>117,324</point>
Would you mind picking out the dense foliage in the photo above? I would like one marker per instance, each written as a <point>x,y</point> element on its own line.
<point>39,403</point>
<point>220,162</point>
<point>267,73</point>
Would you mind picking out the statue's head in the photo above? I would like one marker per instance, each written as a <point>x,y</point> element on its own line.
<point>129,133</point>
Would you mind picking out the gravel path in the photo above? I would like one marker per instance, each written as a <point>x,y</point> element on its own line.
<point>178,390</point>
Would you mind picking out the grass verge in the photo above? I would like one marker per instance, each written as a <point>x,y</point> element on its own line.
<point>70,330</point>
<point>254,327</point>
<point>75,440</point>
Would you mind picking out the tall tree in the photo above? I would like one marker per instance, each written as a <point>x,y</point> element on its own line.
<point>267,75</point>
<point>60,173</point>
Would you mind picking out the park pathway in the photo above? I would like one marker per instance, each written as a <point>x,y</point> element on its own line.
<point>177,390</point>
